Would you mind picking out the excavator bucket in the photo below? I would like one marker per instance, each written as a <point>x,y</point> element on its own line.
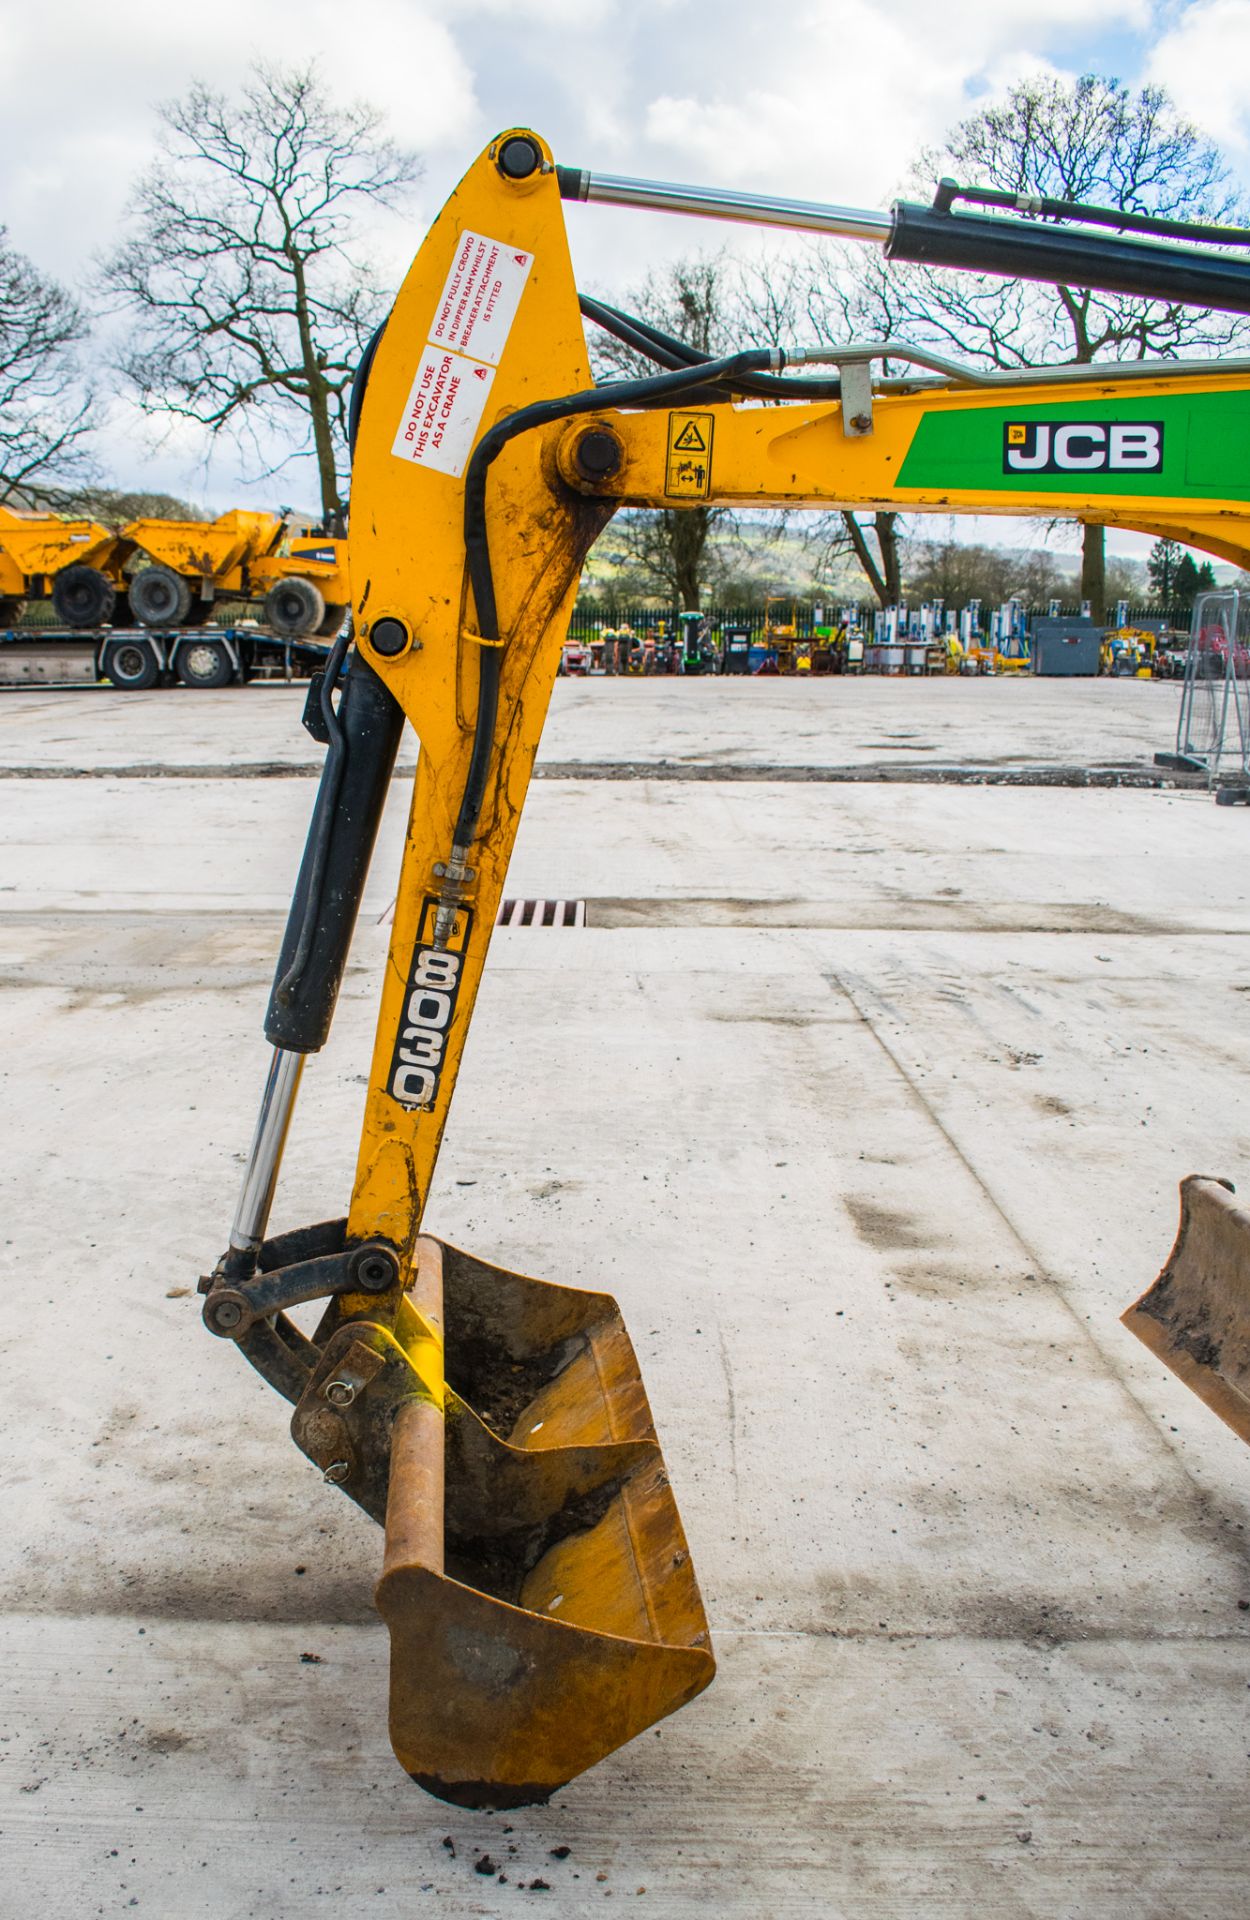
<point>1196,1316</point>
<point>536,1583</point>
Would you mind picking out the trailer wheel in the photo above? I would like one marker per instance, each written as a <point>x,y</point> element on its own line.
<point>204,663</point>
<point>83,597</point>
<point>11,611</point>
<point>159,597</point>
<point>294,607</point>
<point>336,612</point>
<point>131,665</point>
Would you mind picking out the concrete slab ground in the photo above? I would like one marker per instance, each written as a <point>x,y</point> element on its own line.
<point>732,725</point>
<point>869,1103</point>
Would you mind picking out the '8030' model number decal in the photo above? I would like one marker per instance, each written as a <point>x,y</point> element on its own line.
<point>428,1011</point>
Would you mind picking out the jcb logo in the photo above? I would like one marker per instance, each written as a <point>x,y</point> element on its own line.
<point>1083,446</point>
<point>417,1063</point>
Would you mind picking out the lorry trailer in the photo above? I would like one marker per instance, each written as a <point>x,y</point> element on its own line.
<point>136,658</point>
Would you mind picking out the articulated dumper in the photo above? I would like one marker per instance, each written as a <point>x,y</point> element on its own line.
<point>535,1578</point>
<point>170,574</point>
<point>37,552</point>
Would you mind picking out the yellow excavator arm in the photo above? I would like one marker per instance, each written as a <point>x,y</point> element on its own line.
<point>536,1581</point>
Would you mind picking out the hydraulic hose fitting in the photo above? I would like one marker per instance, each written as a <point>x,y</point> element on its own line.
<point>455,876</point>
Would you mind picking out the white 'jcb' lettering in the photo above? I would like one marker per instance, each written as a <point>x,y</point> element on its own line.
<point>1135,447</point>
<point>1022,462</point>
<point>1068,454</point>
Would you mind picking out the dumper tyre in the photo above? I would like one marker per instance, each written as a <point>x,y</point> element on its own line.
<point>294,608</point>
<point>131,665</point>
<point>159,597</point>
<point>83,597</point>
<point>336,612</point>
<point>11,611</point>
<point>204,663</point>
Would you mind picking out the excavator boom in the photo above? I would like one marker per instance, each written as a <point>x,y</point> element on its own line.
<point>536,1580</point>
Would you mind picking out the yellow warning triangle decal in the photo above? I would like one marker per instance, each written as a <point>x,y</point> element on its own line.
<point>690,440</point>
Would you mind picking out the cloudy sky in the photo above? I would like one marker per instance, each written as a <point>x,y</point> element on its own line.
<point>822,99</point>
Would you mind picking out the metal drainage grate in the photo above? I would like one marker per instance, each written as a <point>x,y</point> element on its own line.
<point>541,913</point>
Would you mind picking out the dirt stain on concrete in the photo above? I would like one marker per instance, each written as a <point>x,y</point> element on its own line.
<point>886,1229</point>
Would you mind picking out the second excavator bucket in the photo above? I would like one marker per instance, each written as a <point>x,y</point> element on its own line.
<point>537,1584</point>
<point>1196,1316</point>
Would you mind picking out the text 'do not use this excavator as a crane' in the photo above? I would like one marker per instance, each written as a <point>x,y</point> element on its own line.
<point>536,1582</point>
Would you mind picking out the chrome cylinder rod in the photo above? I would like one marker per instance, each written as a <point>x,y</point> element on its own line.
<point>263,1161</point>
<point>719,203</point>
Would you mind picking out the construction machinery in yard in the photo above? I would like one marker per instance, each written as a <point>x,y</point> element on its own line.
<point>167,575</point>
<point>43,554</point>
<point>535,1578</point>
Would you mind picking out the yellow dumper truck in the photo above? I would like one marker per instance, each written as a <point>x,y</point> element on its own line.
<point>164,574</point>
<point>39,554</point>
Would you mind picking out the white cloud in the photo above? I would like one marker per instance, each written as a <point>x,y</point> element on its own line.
<point>82,85</point>
<point>1203,62</point>
<point>823,99</point>
<point>837,105</point>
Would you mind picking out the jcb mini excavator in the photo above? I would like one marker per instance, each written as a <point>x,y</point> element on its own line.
<point>535,1580</point>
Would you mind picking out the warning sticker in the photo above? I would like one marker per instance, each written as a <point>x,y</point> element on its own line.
<point>479,301</point>
<point>444,411</point>
<point>689,469</point>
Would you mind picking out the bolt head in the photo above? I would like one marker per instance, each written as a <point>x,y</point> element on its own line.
<point>597,455</point>
<point>375,1270</point>
<point>518,158</point>
<point>227,1315</point>
<point>388,637</point>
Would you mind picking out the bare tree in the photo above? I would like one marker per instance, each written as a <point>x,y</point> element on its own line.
<point>251,306</point>
<point>1090,139</point>
<point>117,506</point>
<point>800,299</point>
<point>45,408</point>
<point>676,552</point>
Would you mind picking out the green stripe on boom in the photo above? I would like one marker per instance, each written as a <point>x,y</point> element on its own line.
<point>1206,448</point>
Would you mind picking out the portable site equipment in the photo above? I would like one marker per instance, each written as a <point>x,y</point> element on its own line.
<point>535,1579</point>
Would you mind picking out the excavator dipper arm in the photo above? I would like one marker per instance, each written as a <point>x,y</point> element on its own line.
<point>536,1580</point>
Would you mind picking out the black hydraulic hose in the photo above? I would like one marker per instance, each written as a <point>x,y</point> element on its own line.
<point>645,338</point>
<point>633,333</point>
<point>360,380</point>
<point>662,389</point>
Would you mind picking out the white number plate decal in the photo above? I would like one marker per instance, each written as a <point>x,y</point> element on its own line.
<point>429,1008</point>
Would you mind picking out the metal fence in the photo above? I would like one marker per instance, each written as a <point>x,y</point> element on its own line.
<point>590,619</point>
<point>1214,720</point>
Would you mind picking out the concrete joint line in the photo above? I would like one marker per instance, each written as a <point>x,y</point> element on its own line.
<point>1084,1332</point>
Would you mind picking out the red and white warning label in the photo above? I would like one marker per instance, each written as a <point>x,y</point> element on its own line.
<point>469,332</point>
<point>480,297</point>
<point>444,411</point>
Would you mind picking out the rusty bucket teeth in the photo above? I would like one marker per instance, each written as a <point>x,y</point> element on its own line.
<point>1196,1316</point>
<point>537,1584</point>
